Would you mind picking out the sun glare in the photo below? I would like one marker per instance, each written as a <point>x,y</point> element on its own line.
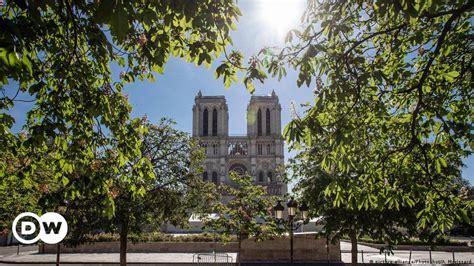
<point>280,16</point>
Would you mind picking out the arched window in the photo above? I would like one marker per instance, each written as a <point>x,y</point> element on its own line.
<point>205,123</point>
<point>215,149</point>
<point>238,169</point>
<point>205,145</point>
<point>267,121</point>
<point>270,177</point>
<point>259,122</point>
<point>214,178</point>
<point>260,177</point>
<point>214,122</point>
<point>204,177</point>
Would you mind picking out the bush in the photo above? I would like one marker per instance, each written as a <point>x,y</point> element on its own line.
<point>160,237</point>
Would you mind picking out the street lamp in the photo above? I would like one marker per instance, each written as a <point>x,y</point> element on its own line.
<point>290,224</point>
<point>279,210</point>
<point>292,205</point>
<point>304,209</point>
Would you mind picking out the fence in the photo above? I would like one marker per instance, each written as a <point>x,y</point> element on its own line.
<point>215,259</point>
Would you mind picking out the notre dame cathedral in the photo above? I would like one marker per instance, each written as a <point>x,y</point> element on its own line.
<point>259,153</point>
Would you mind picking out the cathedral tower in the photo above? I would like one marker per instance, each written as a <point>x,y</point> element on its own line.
<point>259,153</point>
<point>210,116</point>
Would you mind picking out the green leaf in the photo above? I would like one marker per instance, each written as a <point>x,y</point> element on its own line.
<point>438,166</point>
<point>250,87</point>
<point>157,68</point>
<point>450,76</point>
<point>464,216</point>
<point>443,162</point>
<point>119,25</point>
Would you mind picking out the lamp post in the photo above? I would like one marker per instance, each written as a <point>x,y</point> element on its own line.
<point>290,224</point>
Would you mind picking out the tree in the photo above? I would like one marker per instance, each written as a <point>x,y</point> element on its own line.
<point>57,55</point>
<point>347,213</point>
<point>21,195</point>
<point>168,195</point>
<point>391,225</point>
<point>245,214</point>
<point>392,115</point>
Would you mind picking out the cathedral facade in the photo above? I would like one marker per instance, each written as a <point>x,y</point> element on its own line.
<point>259,153</point>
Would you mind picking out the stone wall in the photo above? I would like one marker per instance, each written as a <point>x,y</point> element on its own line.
<point>306,248</point>
<point>421,247</point>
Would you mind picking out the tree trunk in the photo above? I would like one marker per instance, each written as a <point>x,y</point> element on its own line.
<point>58,253</point>
<point>327,249</point>
<point>354,248</point>
<point>123,243</point>
<point>238,251</point>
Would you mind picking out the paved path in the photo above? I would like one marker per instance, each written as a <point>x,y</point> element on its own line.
<point>373,255</point>
<point>27,257</point>
<point>29,254</point>
<point>10,250</point>
<point>105,257</point>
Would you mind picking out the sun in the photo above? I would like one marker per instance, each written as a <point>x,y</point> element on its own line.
<point>280,16</point>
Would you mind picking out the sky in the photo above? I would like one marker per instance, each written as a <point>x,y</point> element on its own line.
<point>264,23</point>
<point>172,94</point>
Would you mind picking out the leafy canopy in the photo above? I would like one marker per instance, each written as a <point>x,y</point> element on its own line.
<point>244,210</point>
<point>170,195</point>
<point>392,114</point>
<point>57,55</point>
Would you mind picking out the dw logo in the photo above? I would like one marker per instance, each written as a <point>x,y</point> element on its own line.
<point>52,228</point>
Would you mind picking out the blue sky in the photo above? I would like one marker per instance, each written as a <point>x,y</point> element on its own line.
<point>172,95</point>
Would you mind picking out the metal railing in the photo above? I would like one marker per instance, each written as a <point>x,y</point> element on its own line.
<point>274,189</point>
<point>213,259</point>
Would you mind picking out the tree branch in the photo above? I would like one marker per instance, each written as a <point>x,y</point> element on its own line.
<point>447,26</point>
